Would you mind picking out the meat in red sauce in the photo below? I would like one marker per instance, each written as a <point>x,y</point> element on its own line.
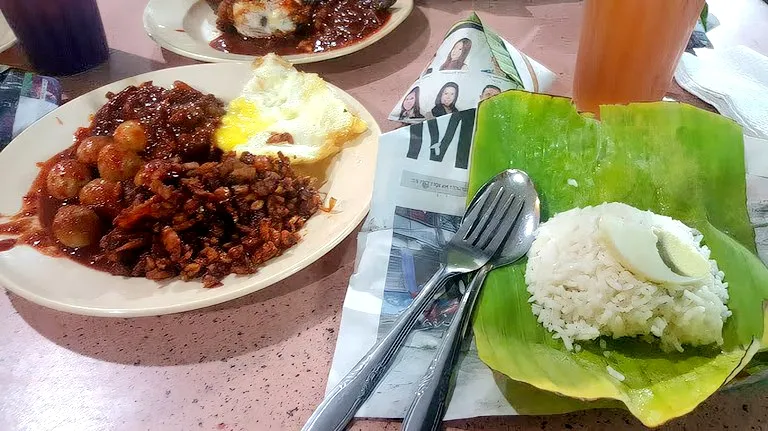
<point>332,24</point>
<point>152,197</point>
<point>178,121</point>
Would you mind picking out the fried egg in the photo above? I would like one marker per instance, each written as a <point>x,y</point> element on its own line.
<point>283,110</point>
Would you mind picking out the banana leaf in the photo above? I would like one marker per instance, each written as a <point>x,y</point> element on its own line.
<point>755,372</point>
<point>670,158</point>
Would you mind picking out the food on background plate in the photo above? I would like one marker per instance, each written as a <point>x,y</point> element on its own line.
<point>258,27</point>
<point>145,192</point>
<point>262,18</point>
<point>613,270</point>
<point>687,167</point>
<point>283,110</point>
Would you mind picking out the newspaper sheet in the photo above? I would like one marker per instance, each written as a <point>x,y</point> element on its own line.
<point>420,192</point>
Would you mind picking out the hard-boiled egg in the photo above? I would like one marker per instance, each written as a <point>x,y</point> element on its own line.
<point>639,247</point>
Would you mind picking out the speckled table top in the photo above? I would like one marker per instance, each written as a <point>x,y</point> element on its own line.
<point>261,362</point>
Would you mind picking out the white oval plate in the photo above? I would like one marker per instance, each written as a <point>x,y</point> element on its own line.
<point>186,27</point>
<point>65,285</point>
<point>7,38</point>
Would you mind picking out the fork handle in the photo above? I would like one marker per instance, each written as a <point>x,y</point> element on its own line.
<point>340,405</point>
<point>428,407</point>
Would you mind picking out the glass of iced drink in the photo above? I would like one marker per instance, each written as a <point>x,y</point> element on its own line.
<point>60,37</point>
<point>628,49</point>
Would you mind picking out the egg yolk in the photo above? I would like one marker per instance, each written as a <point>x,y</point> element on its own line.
<point>241,121</point>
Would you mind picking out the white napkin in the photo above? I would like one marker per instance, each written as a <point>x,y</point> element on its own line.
<point>734,80</point>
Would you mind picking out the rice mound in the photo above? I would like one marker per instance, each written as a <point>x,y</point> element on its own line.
<point>580,291</point>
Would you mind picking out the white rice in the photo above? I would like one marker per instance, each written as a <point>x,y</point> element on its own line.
<point>580,291</point>
<point>615,374</point>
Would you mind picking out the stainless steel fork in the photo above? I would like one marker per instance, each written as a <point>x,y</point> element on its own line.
<point>483,230</point>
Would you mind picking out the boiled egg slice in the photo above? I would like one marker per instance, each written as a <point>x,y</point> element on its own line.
<point>639,248</point>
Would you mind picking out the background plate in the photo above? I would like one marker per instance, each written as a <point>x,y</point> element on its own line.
<point>64,285</point>
<point>187,26</point>
<point>7,38</point>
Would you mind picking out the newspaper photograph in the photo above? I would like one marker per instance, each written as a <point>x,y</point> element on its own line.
<point>472,64</point>
<point>417,238</point>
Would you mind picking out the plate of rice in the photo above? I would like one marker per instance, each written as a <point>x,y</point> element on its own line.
<point>643,288</point>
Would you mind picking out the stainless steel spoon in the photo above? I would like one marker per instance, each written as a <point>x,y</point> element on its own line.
<point>427,410</point>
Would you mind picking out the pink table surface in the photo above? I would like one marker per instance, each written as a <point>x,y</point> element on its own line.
<point>261,362</point>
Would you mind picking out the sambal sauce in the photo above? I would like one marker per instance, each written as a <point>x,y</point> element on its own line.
<point>334,24</point>
<point>143,192</point>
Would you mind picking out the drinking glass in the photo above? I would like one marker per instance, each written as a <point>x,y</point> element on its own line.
<point>628,49</point>
<point>60,37</point>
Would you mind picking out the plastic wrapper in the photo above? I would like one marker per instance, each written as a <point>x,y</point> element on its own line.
<point>24,98</point>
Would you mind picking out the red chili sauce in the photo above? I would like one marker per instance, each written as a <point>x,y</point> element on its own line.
<point>187,136</point>
<point>32,225</point>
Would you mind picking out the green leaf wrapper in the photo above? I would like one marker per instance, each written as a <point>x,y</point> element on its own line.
<point>670,158</point>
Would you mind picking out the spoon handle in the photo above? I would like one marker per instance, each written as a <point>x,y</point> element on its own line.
<point>340,405</point>
<point>428,407</point>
